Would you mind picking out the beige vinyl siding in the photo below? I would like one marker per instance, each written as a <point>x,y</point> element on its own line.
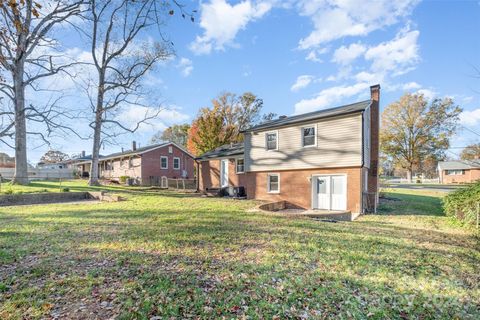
<point>339,144</point>
<point>366,137</point>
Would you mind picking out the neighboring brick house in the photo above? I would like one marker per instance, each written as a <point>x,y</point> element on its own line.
<point>147,165</point>
<point>326,159</point>
<point>458,171</point>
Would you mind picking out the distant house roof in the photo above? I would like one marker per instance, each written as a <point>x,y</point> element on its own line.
<point>458,165</point>
<point>326,113</point>
<point>134,152</point>
<point>226,150</point>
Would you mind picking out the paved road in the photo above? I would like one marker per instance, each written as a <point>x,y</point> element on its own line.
<point>427,187</point>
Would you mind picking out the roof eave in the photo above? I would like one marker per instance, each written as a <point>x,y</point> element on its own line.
<point>258,128</point>
<point>216,157</point>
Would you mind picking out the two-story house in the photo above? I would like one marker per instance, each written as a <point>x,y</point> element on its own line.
<point>326,159</point>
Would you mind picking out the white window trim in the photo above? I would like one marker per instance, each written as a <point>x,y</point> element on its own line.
<point>278,141</point>
<point>455,172</point>
<point>236,166</point>
<point>163,157</point>
<point>314,126</point>
<point>312,180</point>
<point>179,166</point>
<point>268,182</point>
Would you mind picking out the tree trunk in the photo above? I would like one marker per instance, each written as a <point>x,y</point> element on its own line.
<point>94,174</point>
<point>409,175</point>
<point>21,166</point>
<point>97,134</point>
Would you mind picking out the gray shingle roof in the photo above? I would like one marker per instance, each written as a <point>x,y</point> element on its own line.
<point>326,113</point>
<point>130,152</point>
<point>223,151</point>
<point>136,151</point>
<point>458,165</point>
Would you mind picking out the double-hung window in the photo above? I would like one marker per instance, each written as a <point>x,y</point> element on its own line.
<point>273,183</point>
<point>163,162</point>
<point>176,163</point>
<point>309,136</point>
<point>240,167</point>
<point>271,139</point>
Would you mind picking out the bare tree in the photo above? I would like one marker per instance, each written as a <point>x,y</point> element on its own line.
<point>24,37</point>
<point>121,59</point>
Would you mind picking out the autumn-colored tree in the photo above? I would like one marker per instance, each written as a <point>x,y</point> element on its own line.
<point>224,122</point>
<point>414,130</point>
<point>192,135</point>
<point>471,152</point>
<point>177,133</point>
<point>211,130</point>
<point>54,156</point>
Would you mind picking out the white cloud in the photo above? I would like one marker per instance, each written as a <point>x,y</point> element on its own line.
<point>222,21</point>
<point>411,86</point>
<point>398,55</point>
<point>313,55</point>
<point>365,76</point>
<point>302,82</point>
<point>345,55</point>
<point>134,114</point>
<point>186,65</point>
<point>328,97</point>
<point>337,19</point>
<point>427,93</point>
<point>406,87</point>
<point>470,118</point>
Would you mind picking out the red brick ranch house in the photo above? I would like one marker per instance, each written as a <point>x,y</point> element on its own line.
<point>326,159</point>
<point>146,165</point>
<point>459,171</point>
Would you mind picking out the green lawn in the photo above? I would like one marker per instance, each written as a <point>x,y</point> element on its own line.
<point>177,256</point>
<point>57,186</point>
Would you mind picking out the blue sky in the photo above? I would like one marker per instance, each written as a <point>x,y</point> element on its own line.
<point>301,56</point>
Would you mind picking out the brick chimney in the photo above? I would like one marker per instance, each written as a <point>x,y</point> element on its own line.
<point>134,145</point>
<point>83,154</point>
<point>374,139</point>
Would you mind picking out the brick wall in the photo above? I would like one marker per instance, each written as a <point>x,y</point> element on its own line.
<point>209,174</point>
<point>296,186</point>
<point>147,165</point>
<point>151,164</point>
<point>471,175</point>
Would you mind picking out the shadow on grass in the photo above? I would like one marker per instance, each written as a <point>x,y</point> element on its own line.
<point>269,267</point>
<point>110,188</point>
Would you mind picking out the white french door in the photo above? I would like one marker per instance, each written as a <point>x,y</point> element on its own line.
<point>323,193</point>
<point>330,192</point>
<point>224,173</point>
